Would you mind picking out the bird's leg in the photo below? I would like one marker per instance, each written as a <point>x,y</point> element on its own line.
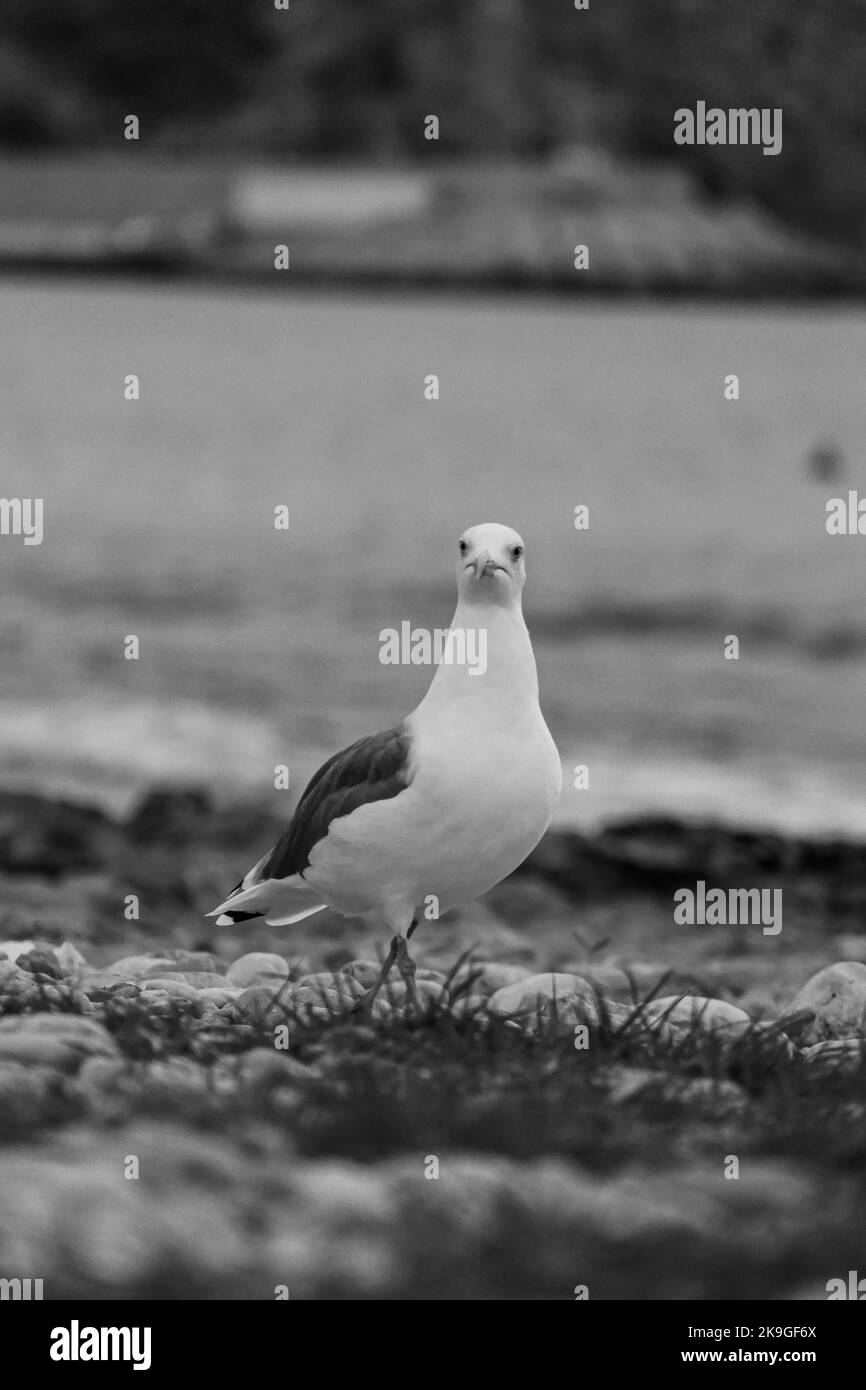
<point>368,999</point>
<point>406,966</point>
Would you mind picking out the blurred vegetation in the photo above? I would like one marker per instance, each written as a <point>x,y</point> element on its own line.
<point>353,79</point>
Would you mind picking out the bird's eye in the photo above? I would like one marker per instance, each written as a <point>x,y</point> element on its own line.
<point>516,552</point>
<point>462,547</point>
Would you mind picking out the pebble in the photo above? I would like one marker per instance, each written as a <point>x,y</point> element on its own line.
<point>194,962</point>
<point>437,977</point>
<point>489,978</point>
<point>23,1089</point>
<point>682,1014</point>
<point>264,1065</point>
<point>166,1005</point>
<point>13,949</point>
<point>189,979</point>
<point>774,1042</point>
<point>140,967</point>
<point>842,1055</point>
<point>220,994</point>
<point>837,997</point>
<point>41,962</point>
<point>718,1098</point>
<point>99,984</point>
<point>98,1074</point>
<point>10,971</point>
<point>180,1076</point>
<point>366,972</point>
<point>180,989</point>
<point>566,998</point>
<point>34,1049</point>
<point>327,1001</point>
<point>431,990</point>
<point>257,968</point>
<point>335,986</point>
<point>472,1006</point>
<point>259,1005</point>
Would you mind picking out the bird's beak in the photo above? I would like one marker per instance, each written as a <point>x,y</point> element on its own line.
<point>485,564</point>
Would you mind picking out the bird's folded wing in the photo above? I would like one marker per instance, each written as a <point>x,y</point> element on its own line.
<point>372,769</point>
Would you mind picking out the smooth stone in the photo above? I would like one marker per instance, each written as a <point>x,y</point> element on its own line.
<point>173,987</point>
<point>471,1006</point>
<point>179,1075</point>
<point>194,962</point>
<point>99,979</point>
<point>220,994</point>
<point>13,949</point>
<point>160,1002</point>
<point>626,1083</point>
<point>527,996</point>
<point>837,997</point>
<point>773,1040</point>
<point>19,990</point>
<point>24,1086</point>
<point>431,990</point>
<point>190,979</point>
<point>257,968</point>
<point>489,978</point>
<point>437,977</point>
<point>683,1013</point>
<point>41,962</point>
<point>259,1005</point>
<point>366,972</point>
<point>609,977</point>
<point>336,985</point>
<point>70,959</point>
<point>716,1097</point>
<point>86,1033</point>
<point>321,1003</point>
<point>842,1055</point>
<point>201,979</point>
<point>262,1065</point>
<point>34,1049</point>
<point>98,1073</point>
<point>719,1098</point>
<point>617,1014</point>
<point>140,967</point>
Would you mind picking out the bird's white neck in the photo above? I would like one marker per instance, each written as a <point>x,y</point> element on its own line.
<point>498,640</point>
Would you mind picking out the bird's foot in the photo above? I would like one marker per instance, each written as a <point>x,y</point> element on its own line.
<point>406,967</point>
<point>365,1003</point>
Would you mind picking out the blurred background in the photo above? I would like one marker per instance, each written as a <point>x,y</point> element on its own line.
<point>408,256</point>
<point>151,783</point>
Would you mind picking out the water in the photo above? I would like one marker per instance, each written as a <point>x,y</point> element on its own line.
<point>260,647</point>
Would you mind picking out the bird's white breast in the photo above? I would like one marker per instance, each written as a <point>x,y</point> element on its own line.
<point>484,779</point>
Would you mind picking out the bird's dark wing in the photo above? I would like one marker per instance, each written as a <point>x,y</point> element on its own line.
<point>373,769</point>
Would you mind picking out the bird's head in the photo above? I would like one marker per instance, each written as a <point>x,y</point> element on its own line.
<point>490,565</point>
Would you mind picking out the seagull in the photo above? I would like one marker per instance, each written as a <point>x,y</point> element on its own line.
<point>438,809</point>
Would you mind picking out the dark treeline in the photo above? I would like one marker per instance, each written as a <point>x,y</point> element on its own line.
<point>350,79</point>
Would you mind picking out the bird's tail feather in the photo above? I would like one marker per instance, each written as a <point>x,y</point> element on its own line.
<point>281,901</point>
<point>274,921</point>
